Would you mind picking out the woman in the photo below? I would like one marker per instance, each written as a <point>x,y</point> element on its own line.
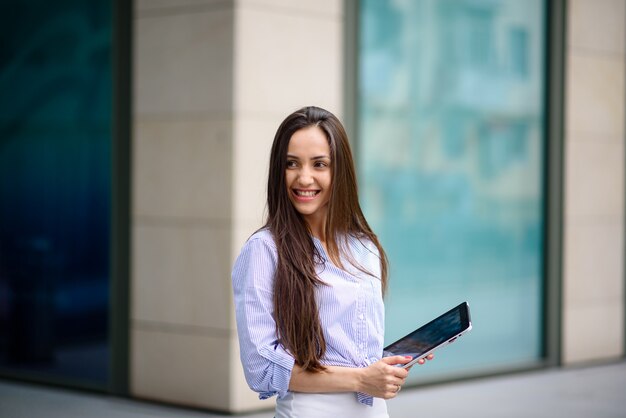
<point>308,286</point>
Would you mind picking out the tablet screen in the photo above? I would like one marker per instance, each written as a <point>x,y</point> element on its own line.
<point>438,331</point>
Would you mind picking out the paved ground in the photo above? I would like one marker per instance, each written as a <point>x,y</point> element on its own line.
<point>584,392</point>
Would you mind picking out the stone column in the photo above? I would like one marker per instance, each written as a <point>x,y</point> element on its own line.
<point>593,298</point>
<point>212,81</point>
<point>287,54</point>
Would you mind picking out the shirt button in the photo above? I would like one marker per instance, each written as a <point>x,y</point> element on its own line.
<point>362,345</point>
<point>361,316</point>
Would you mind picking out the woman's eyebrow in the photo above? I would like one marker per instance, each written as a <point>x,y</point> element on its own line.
<point>317,157</point>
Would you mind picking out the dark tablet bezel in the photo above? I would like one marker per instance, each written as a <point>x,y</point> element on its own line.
<point>466,325</point>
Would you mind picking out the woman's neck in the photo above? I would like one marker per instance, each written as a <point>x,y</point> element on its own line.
<point>317,226</point>
<point>319,233</point>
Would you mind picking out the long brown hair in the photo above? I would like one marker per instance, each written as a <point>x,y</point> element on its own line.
<point>295,309</point>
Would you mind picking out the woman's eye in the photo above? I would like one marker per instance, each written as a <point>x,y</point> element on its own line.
<point>321,164</point>
<point>291,164</point>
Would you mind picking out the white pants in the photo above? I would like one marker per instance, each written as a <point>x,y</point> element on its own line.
<point>327,405</point>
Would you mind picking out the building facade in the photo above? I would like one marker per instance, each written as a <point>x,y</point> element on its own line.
<point>489,141</point>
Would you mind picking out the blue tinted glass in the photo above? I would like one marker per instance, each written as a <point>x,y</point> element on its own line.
<point>450,157</point>
<point>55,158</point>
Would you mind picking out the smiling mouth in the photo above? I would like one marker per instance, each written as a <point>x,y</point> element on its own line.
<point>306,193</point>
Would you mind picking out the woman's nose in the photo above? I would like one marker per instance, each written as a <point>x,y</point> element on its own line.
<point>305,177</point>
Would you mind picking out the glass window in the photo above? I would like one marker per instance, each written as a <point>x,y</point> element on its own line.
<point>450,155</point>
<point>55,192</point>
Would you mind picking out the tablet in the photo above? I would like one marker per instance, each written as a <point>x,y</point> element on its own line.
<point>437,333</point>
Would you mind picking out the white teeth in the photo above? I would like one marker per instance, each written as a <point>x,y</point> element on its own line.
<point>306,193</point>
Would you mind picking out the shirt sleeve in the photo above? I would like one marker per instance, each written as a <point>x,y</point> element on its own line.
<point>267,365</point>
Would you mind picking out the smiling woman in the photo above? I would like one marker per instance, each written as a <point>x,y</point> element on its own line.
<point>308,286</point>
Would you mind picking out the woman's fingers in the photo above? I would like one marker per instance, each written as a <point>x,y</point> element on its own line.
<point>383,378</point>
<point>399,374</point>
<point>396,383</point>
<point>393,360</point>
<point>393,390</point>
<point>428,357</point>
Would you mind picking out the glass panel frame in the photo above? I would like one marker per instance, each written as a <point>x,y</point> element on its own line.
<point>117,224</point>
<point>547,347</point>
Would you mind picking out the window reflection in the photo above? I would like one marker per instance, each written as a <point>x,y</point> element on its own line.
<point>55,137</point>
<point>451,160</point>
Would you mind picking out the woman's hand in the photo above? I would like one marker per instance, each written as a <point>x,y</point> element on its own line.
<point>383,379</point>
<point>422,361</point>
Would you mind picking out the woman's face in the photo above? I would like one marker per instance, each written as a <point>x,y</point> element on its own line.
<point>308,174</point>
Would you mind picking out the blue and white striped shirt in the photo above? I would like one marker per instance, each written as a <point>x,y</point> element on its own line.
<point>351,313</point>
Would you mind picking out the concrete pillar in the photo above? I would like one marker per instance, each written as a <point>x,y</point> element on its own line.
<point>593,299</point>
<point>212,81</point>
<point>287,54</point>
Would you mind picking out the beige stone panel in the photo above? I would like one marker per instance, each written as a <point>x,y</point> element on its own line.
<point>181,168</point>
<point>594,263</point>
<point>597,25</point>
<point>594,181</point>
<point>332,8</point>
<point>593,332</point>
<point>253,139</point>
<point>187,369</point>
<point>594,99</point>
<point>286,61</point>
<point>181,275</point>
<point>183,63</point>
